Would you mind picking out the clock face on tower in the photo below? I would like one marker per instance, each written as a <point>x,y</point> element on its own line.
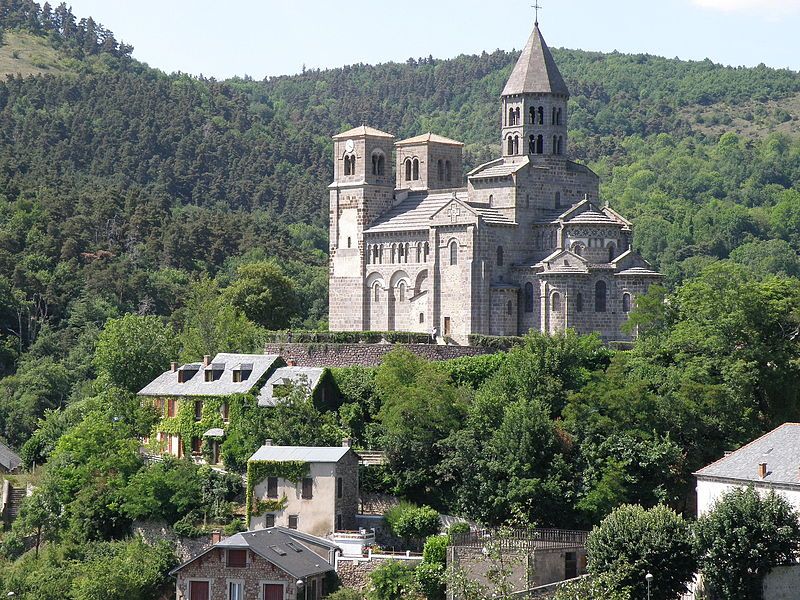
<point>349,145</point>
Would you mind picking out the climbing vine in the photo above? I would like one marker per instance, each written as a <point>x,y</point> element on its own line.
<point>259,470</point>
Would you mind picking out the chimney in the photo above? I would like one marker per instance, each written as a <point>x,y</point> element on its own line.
<point>206,360</point>
<point>347,443</point>
<point>216,537</point>
<point>292,362</point>
<point>268,443</point>
<point>173,366</point>
<point>762,470</point>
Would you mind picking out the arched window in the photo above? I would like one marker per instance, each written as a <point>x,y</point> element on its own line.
<point>612,251</point>
<point>376,292</point>
<point>579,303</point>
<point>517,117</point>
<point>516,144</point>
<point>560,145</point>
<point>558,200</point>
<point>352,165</point>
<point>349,242</point>
<point>499,256</point>
<point>533,115</point>
<point>416,170</point>
<point>510,308</point>
<point>577,248</point>
<point>528,297</point>
<point>369,254</point>
<point>440,170</point>
<point>448,171</point>
<point>554,116</point>
<point>381,165</point>
<point>400,253</point>
<point>541,115</point>
<point>540,144</point>
<point>408,169</point>
<point>347,171</point>
<point>510,145</point>
<point>556,303</point>
<point>375,254</point>
<point>401,291</point>
<point>374,164</point>
<point>425,251</point>
<point>454,252</point>
<point>532,145</point>
<point>558,117</point>
<point>626,303</point>
<point>419,251</point>
<point>406,251</point>
<point>511,114</point>
<point>600,297</point>
<point>555,144</point>
<point>421,318</point>
<point>491,200</point>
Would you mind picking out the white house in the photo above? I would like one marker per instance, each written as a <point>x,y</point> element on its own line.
<point>771,462</point>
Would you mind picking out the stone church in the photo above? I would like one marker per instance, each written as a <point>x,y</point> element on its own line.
<point>525,245</point>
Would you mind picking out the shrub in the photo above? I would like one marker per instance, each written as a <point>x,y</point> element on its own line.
<point>345,594</point>
<point>411,522</point>
<point>459,528</point>
<point>602,587</point>
<point>430,580</point>
<point>435,550</point>
<point>392,580</point>
<point>186,527</point>
<point>632,541</point>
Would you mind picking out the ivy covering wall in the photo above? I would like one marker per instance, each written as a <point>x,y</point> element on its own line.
<point>259,470</point>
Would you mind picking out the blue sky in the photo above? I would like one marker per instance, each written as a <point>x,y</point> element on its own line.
<point>276,37</point>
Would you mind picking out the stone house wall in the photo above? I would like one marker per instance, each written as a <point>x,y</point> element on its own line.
<point>366,355</point>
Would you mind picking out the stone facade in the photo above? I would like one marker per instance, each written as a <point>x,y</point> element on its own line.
<point>523,245</point>
<point>211,567</point>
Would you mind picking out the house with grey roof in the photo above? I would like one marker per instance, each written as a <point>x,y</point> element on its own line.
<point>269,564</point>
<point>309,489</point>
<point>206,391</point>
<point>9,460</point>
<point>771,462</point>
<point>316,382</point>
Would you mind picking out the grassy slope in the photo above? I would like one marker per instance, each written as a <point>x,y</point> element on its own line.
<point>26,54</point>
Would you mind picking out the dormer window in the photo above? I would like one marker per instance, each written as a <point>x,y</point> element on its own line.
<point>242,372</point>
<point>214,372</point>
<point>186,372</point>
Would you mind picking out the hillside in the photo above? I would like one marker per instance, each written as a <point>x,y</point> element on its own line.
<point>27,54</point>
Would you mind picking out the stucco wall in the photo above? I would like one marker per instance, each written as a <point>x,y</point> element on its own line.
<point>782,583</point>
<point>708,492</point>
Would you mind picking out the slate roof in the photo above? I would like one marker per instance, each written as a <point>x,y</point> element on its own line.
<point>414,212</point>
<point>310,454</point>
<point>536,71</point>
<point>295,376</point>
<point>363,131</point>
<point>429,137</point>
<point>592,217</point>
<point>280,546</point>
<point>498,168</point>
<point>491,216</point>
<point>167,384</point>
<point>634,271</point>
<point>780,449</point>
<point>8,458</point>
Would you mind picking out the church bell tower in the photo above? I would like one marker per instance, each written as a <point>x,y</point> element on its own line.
<point>535,105</point>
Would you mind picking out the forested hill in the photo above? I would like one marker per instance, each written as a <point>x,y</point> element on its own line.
<point>123,185</point>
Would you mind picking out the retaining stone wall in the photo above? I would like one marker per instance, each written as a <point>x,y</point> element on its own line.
<point>365,355</point>
<point>355,574</point>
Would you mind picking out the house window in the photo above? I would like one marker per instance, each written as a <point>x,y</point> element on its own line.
<point>237,376</point>
<point>272,487</point>
<point>600,297</point>
<point>579,303</point>
<point>339,523</point>
<point>376,292</point>
<point>454,252</point>
<point>269,520</point>
<point>421,317</point>
<point>308,488</point>
<point>626,303</point>
<point>528,297</point>
<point>197,446</point>
<point>236,590</point>
<point>510,145</point>
<point>339,487</point>
<point>416,170</point>
<point>224,412</point>
<point>292,521</point>
<point>509,307</point>
<point>499,256</point>
<point>408,170</point>
<point>171,407</point>
<point>198,410</point>
<point>237,558</point>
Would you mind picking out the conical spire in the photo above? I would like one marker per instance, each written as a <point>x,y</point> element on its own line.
<point>536,71</point>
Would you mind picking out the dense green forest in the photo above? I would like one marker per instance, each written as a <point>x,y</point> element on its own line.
<point>199,209</point>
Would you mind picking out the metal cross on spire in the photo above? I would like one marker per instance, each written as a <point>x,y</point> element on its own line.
<point>537,7</point>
